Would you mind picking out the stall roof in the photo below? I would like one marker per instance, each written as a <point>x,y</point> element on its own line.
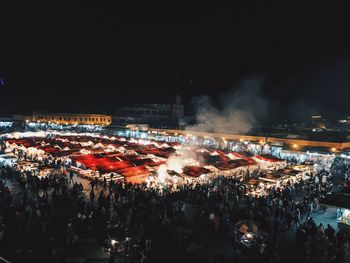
<point>268,158</point>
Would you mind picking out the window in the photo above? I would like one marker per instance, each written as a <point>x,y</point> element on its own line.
<point>85,119</point>
<point>81,119</point>
<point>60,118</point>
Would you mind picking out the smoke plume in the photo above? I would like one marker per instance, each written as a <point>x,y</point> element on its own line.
<point>183,157</point>
<point>238,110</point>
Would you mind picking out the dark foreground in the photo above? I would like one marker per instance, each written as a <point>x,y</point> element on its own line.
<point>64,219</point>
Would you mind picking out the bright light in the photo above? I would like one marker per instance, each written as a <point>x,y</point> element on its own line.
<point>114,242</point>
<point>249,235</point>
<point>6,123</point>
<point>295,146</point>
<point>333,149</point>
<point>162,173</point>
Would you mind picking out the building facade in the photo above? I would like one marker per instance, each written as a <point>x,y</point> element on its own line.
<point>178,109</point>
<point>144,113</point>
<point>71,119</point>
<point>151,114</point>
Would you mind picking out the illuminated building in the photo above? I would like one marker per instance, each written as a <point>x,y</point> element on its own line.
<point>71,119</point>
<point>293,144</point>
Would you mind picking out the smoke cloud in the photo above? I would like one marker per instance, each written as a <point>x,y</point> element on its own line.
<point>238,110</point>
<point>183,157</point>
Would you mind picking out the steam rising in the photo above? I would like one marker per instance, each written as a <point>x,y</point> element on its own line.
<point>239,109</point>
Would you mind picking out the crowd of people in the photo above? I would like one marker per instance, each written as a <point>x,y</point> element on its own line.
<point>49,214</point>
<point>41,217</point>
<point>316,240</point>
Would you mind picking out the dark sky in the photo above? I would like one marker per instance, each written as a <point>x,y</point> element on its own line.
<point>98,57</point>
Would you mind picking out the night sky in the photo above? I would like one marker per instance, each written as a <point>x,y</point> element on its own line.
<point>99,57</point>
